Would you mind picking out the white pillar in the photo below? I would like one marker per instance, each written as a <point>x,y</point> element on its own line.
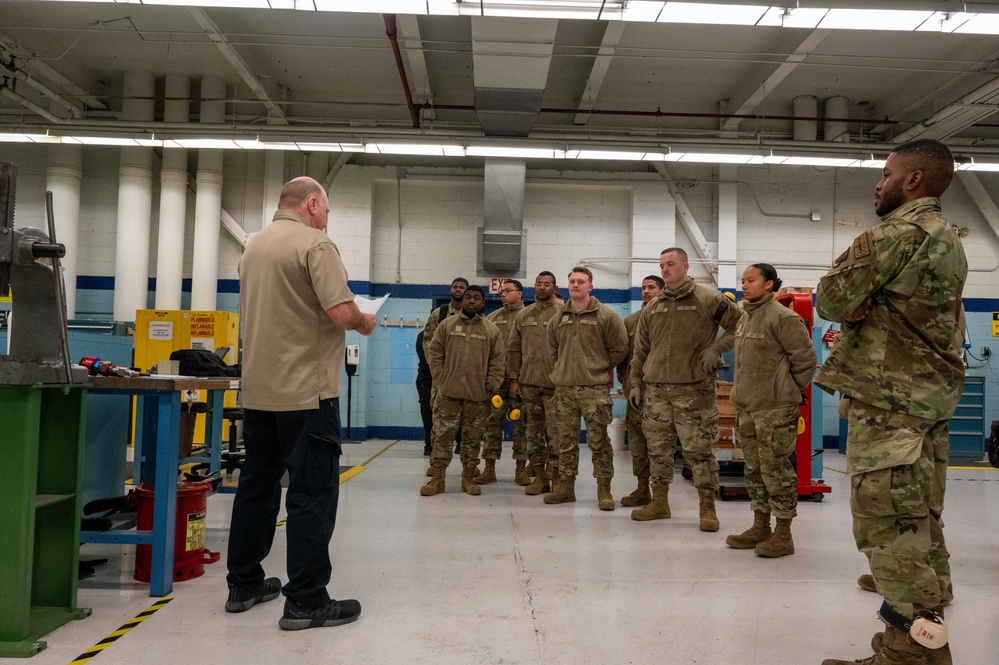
<point>208,204</point>
<point>273,182</point>
<point>728,205</point>
<point>173,200</point>
<point>135,193</point>
<point>63,178</point>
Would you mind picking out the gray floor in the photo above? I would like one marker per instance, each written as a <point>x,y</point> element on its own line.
<point>503,578</point>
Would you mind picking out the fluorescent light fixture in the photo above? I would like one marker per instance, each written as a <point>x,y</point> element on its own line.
<point>325,147</point>
<point>715,158</point>
<point>818,161</point>
<point>980,24</point>
<point>713,14</point>
<point>104,140</point>
<point>373,6</point>
<point>673,156</point>
<point>792,18</point>
<point>516,153</point>
<point>870,163</point>
<point>243,4</point>
<point>654,157</point>
<point>16,138</point>
<point>577,9</point>
<point>874,19</point>
<point>979,166</point>
<point>944,21</point>
<point>254,144</point>
<point>638,10</point>
<point>202,144</point>
<point>454,151</point>
<point>406,149</point>
<point>605,154</point>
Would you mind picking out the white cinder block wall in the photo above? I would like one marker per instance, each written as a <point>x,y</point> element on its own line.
<point>603,217</point>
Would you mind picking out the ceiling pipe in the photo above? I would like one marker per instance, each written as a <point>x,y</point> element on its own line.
<point>393,36</point>
<point>28,104</point>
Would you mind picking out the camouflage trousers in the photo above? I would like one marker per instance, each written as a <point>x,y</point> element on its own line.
<point>593,404</point>
<point>492,448</point>
<point>450,416</point>
<point>637,443</point>
<point>767,437</point>
<point>539,423</point>
<point>684,411</point>
<point>898,467</point>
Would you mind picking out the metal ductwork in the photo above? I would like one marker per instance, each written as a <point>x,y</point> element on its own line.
<point>502,246</point>
<point>510,61</point>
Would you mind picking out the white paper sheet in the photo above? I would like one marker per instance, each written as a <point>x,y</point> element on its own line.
<point>369,306</point>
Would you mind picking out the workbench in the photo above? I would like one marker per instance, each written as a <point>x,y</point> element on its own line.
<point>157,444</point>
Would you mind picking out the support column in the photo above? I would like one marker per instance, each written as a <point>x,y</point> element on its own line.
<point>208,205</point>
<point>728,205</point>
<point>135,192</point>
<point>273,182</point>
<point>63,178</point>
<point>173,200</point>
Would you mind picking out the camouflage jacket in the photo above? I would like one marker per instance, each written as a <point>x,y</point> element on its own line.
<point>905,355</point>
<point>774,356</point>
<point>586,345</point>
<point>529,360</point>
<point>503,319</point>
<point>630,325</point>
<point>467,357</point>
<point>676,328</point>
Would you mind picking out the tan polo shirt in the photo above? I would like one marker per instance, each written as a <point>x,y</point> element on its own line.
<point>290,274</point>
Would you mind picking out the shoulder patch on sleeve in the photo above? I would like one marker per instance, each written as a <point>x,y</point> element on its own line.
<point>842,257</point>
<point>862,246</point>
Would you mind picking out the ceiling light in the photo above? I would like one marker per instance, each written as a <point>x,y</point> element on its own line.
<point>980,24</point>
<point>199,144</point>
<point>819,161</point>
<point>698,12</point>
<point>874,19</point>
<point>715,158</point>
<point>373,6</point>
<point>578,9</point>
<point>324,147</point>
<point>605,154</point>
<point>792,18</point>
<point>870,163</point>
<point>637,10</point>
<point>244,4</point>
<point>516,153</point>
<point>978,166</point>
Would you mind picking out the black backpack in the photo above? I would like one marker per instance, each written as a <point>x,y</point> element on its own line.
<point>992,445</point>
<point>199,362</point>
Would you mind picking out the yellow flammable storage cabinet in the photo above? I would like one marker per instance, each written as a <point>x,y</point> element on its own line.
<point>158,333</point>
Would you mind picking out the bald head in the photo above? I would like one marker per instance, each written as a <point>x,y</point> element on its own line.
<point>931,157</point>
<point>306,198</point>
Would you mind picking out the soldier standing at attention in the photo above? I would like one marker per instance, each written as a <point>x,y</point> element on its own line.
<point>512,296</point>
<point>897,291</point>
<point>673,381</point>
<point>467,357</point>
<point>652,286</point>
<point>587,341</point>
<point>458,286</point>
<point>529,364</point>
<point>774,363</point>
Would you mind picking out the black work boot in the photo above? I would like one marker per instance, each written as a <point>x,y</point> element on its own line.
<point>333,613</point>
<point>242,598</point>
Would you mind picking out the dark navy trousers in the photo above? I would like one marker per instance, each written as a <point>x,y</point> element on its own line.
<point>307,444</point>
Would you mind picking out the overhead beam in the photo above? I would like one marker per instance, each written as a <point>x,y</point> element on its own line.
<point>981,198</point>
<point>415,58</point>
<point>30,64</point>
<point>687,219</point>
<point>974,107</point>
<point>608,46</point>
<point>782,72</point>
<point>274,112</point>
<point>340,162</point>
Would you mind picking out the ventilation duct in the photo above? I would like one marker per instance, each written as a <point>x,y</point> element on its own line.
<point>836,129</point>
<point>502,246</point>
<point>510,61</point>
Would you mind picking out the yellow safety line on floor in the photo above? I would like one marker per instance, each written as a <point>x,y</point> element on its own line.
<point>353,471</point>
<point>113,637</point>
<point>973,468</point>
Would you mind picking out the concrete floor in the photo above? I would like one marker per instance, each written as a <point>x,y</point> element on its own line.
<point>503,578</point>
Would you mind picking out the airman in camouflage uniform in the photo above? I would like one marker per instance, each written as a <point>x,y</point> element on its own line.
<point>529,365</point>
<point>512,296</point>
<point>897,291</point>
<point>673,382</point>
<point>466,357</point>
<point>458,286</point>
<point>652,286</point>
<point>774,363</point>
<point>587,341</point>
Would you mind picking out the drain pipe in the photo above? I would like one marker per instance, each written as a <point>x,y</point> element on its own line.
<point>393,36</point>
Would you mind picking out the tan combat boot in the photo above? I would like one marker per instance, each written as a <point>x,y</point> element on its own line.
<point>488,474</point>
<point>641,496</point>
<point>752,536</point>
<point>430,470</point>
<point>604,498</point>
<point>780,543</point>
<point>436,483</point>
<point>521,476</point>
<point>896,650</point>
<point>932,656</point>
<point>709,518</point>
<point>658,508</point>
<point>564,490</point>
<point>541,483</point>
<point>866,582</point>
<point>468,485</point>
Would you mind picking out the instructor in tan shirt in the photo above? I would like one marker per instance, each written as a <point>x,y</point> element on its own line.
<point>295,306</point>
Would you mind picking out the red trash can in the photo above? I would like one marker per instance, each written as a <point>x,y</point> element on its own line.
<point>189,553</point>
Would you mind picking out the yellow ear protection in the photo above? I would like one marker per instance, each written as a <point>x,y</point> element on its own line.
<point>801,425</point>
<point>515,410</point>
<point>729,295</point>
<point>497,402</point>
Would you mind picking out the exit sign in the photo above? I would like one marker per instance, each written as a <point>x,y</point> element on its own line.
<point>496,284</point>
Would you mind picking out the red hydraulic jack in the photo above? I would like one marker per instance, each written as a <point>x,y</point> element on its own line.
<point>801,303</point>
